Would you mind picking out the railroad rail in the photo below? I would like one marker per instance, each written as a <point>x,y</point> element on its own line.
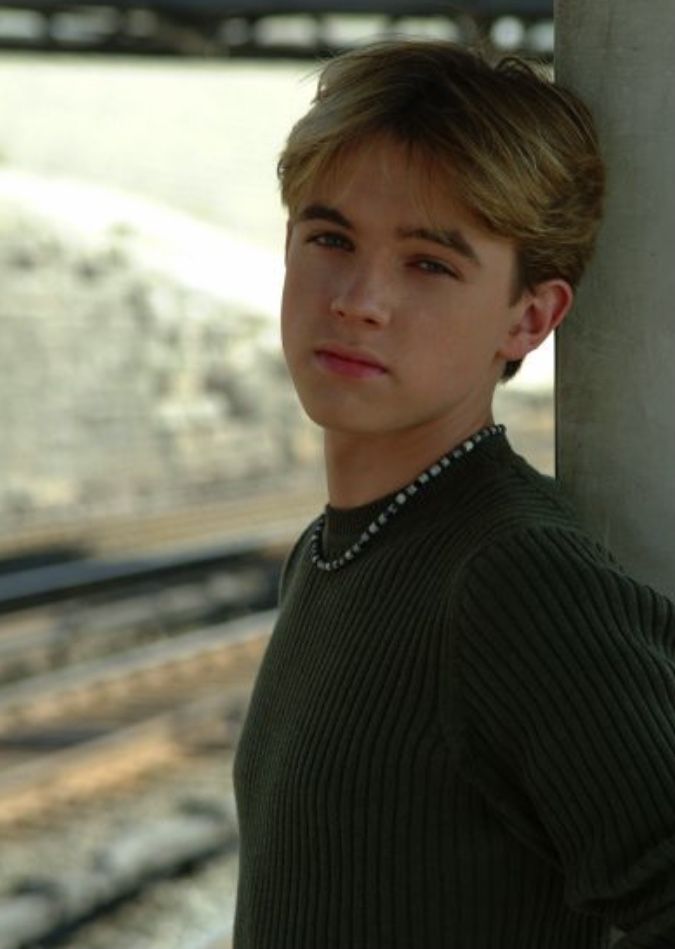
<point>82,731</point>
<point>111,668</point>
<point>68,613</point>
<point>26,589</point>
<point>77,534</point>
<point>79,731</point>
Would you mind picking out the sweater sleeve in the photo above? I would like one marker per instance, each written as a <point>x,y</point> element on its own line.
<point>567,686</point>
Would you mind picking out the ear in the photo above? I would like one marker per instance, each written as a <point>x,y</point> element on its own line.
<point>539,312</point>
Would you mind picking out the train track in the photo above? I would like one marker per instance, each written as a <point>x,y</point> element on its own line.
<point>48,638</point>
<point>64,612</point>
<point>140,532</point>
<point>80,731</point>
<point>119,881</point>
<point>106,678</point>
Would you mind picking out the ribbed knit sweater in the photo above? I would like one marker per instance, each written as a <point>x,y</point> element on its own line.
<point>465,739</point>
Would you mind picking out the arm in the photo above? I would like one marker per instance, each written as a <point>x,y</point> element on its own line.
<point>568,689</point>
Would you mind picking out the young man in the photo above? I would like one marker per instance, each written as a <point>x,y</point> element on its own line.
<point>462,735</point>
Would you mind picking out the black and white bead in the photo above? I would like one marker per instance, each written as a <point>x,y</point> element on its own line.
<point>400,500</point>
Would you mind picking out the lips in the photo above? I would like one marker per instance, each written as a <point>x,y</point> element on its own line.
<point>349,362</point>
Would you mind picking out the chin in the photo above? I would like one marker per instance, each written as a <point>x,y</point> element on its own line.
<point>335,419</point>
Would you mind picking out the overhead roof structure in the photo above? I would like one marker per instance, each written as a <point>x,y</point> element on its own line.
<point>154,26</point>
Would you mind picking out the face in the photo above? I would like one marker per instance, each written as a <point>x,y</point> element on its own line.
<point>397,311</point>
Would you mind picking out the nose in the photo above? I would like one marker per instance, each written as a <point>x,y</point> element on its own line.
<point>363,295</point>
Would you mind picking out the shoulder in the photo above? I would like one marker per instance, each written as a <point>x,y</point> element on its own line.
<point>550,634</point>
<point>293,560</point>
<point>550,597</point>
<point>499,495</point>
<point>516,496</point>
<point>506,511</point>
<point>535,561</point>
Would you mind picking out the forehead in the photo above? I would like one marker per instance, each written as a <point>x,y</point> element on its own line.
<point>420,183</point>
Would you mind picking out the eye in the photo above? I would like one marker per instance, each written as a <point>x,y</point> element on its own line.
<point>330,239</point>
<point>434,267</point>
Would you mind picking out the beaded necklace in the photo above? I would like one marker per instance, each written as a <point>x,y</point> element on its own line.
<point>401,498</point>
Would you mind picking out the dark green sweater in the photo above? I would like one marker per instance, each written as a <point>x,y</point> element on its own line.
<point>465,739</point>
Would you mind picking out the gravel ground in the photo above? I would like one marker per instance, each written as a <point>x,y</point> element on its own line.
<point>176,914</point>
<point>173,914</point>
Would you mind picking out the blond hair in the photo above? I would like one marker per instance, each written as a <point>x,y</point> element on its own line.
<point>521,151</point>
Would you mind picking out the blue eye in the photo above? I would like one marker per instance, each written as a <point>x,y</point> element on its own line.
<point>435,267</point>
<point>330,239</point>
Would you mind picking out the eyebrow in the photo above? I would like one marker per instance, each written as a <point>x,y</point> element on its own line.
<point>321,212</point>
<point>451,238</point>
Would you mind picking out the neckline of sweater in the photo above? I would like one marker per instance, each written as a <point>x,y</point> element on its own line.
<point>347,522</point>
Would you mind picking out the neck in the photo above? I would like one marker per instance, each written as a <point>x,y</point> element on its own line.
<point>362,468</point>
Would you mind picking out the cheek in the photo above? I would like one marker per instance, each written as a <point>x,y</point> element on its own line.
<point>287,331</point>
<point>444,348</point>
<point>301,284</point>
<point>297,313</point>
<point>288,307</point>
<point>293,292</point>
<point>306,302</point>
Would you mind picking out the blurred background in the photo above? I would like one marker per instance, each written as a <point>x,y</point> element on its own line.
<point>154,464</point>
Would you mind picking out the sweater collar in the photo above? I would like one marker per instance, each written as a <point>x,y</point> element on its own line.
<point>344,525</point>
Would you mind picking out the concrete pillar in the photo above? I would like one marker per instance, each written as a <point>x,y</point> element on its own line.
<point>615,359</point>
